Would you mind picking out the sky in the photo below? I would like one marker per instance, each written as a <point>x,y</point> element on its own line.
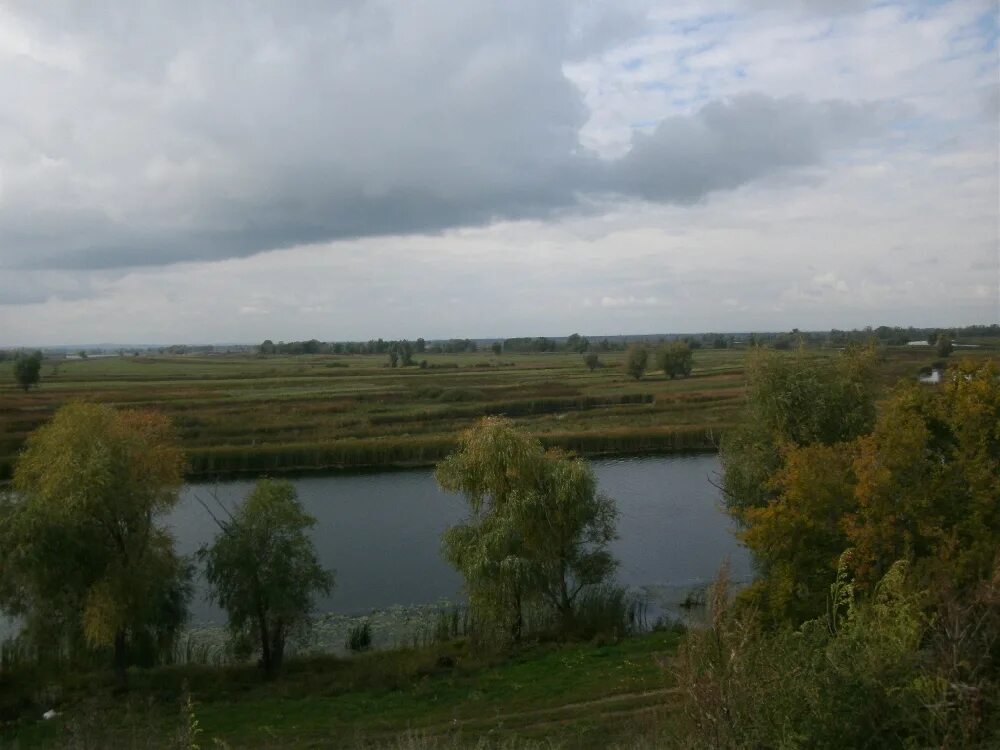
<point>187,172</point>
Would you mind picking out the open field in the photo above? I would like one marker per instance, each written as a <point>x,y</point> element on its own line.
<point>238,413</point>
<point>581,695</point>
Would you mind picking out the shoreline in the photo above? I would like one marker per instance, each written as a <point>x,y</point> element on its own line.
<point>310,470</point>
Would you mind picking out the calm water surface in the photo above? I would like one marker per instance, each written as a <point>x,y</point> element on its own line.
<point>381,532</point>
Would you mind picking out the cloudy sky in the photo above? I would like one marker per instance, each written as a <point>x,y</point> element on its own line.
<point>203,172</point>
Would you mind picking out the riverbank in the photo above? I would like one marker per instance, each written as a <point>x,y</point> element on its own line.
<point>579,695</point>
<point>387,454</point>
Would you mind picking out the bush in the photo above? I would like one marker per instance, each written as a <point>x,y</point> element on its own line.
<point>359,638</point>
<point>872,673</point>
<point>609,612</point>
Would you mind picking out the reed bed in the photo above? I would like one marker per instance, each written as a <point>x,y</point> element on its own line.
<point>247,414</point>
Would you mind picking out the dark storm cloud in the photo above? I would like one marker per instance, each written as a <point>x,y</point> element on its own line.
<point>150,135</point>
<point>728,144</point>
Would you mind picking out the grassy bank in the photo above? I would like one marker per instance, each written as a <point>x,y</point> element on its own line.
<point>246,414</point>
<point>579,695</point>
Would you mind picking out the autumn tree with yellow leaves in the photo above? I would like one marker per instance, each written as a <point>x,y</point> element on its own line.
<point>83,557</point>
<point>922,484</point>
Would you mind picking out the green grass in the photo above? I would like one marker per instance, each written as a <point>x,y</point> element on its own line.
<point>328,702</point>
<point>247,414</point>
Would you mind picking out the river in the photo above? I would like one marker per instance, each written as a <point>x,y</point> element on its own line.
<point>381,531</point>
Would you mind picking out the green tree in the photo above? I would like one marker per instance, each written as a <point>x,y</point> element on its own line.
<point>267,347</point>
<point>83,554</point>
<point>675,359</point>
<point>577,343</point>
<point>591,360</point>
<point>497,348</point>
<point>263,570</point>
<point>636,359</point>
<point>944,345</point>
<point>793,399</point>
<point>405,349</point>
<point>537,531</point>
<point>27,369</point>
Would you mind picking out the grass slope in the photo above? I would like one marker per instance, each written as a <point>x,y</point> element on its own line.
<point>581,695</point>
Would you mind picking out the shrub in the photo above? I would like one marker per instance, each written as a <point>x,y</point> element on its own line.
<point>867,674</point>
<point>608,612</point>
<point>359,638</point>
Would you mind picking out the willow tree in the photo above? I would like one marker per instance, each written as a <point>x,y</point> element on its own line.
<point>537,529</point>
<point>83,554</point>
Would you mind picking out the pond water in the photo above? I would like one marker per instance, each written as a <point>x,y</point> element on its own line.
<point>381,532</point>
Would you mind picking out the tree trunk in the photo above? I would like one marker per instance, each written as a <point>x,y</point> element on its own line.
<point>277,647</point>
<point>565,605</point>
<point>121,660</point>
<point>515,630</point>
<point>265,647</point>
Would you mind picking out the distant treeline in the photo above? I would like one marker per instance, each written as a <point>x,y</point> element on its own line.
<point>518,345</point>
<point>372,346</point>
<point>577,343</point>
<point>889,335</point>
<point>898,336</point>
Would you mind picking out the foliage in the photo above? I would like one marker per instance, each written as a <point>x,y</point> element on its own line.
<point>636,359</point>
<point>944,346</point>
<point>923,485</point>
<point>27,369</point>
<point>907,653</point>
<point>793,399</point>
<point>263,570</point>
<point>675,359</point>
<point>797,539</point>
<point>83,556</point>
<point>527,344</point>
<point>577,343</point>
<point>537,530</point>
<point>359,638</point>
<point>874,672</point>
<point>928,478</point>
<point>591,360</point>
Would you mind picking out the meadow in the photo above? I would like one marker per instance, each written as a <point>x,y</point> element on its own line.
<point>251,415</point>
<point>582,695</point>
